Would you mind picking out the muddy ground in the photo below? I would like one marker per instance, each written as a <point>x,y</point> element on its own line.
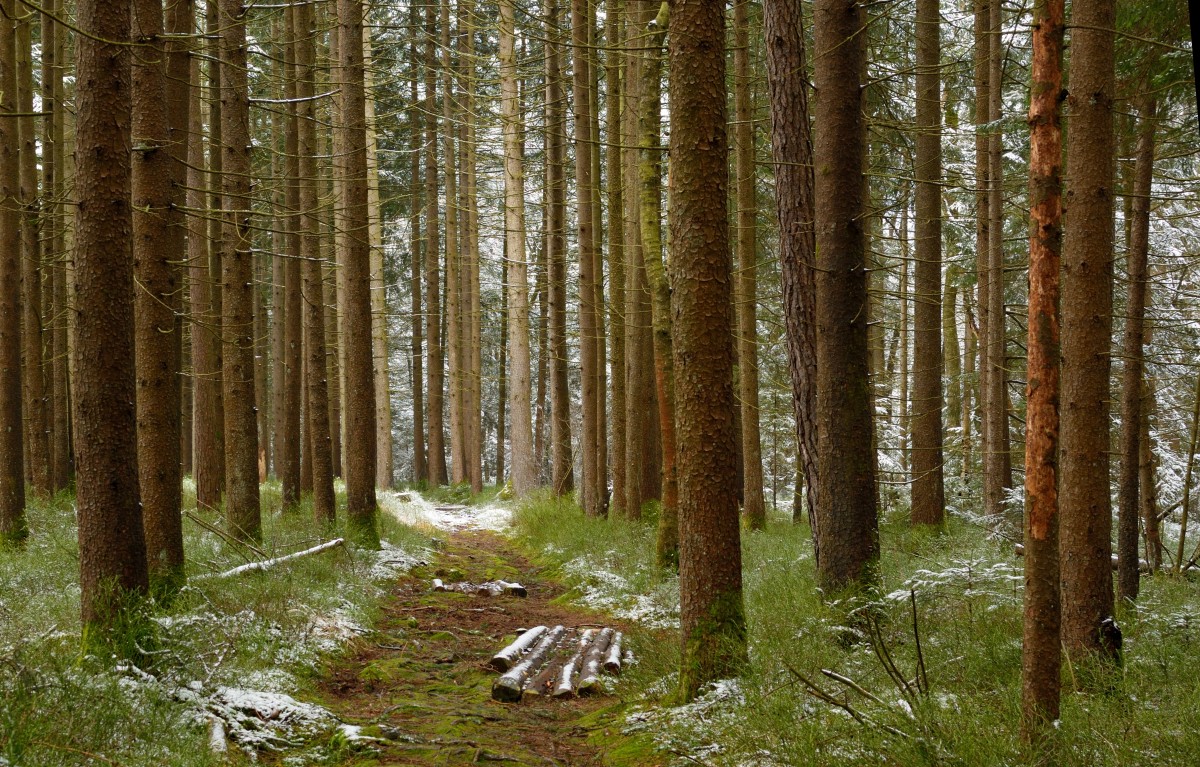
<point>421,684</point>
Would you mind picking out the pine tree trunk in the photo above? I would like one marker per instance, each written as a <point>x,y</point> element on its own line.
<point>524,471</point>
<point>36,412</point>
<point>473,329</point>
<point>615,101</point>
<point>453,320</point>
<point>237,276</point>
<point>951,361</point>
<point>1087,285</point>
<point>983,116</point>
<point>384,469</point>
<point>13,525</point>
<point>1133,351</point>
<point>712,615</point>
<point>359,388</point>
<point>112,544</point>
<point>159,99</point>
<point>290,365</point>
<point>928,488</point>
<point>416,126</point>
<point>434,373</point>
<point>650,171</point>
<point>1040,658</point>
<point>846,512</point>
<point>791,151</point>
<point>905,334</point>
<point>997,474</point>
<point>319,442</point>
<point>53,235</point>
<point>581,22</point>
<point>747,262</point>
<point>562,461</point>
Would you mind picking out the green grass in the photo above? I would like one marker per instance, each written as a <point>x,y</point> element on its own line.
<point>266,631</point>
<point>968,592</point>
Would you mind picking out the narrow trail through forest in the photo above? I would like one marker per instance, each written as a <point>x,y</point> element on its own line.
<point>421,681</point>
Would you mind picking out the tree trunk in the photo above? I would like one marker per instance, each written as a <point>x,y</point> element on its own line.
<point>791,151</point>
<point>420,469</point>
<point>524,470</point>
<point>288,453</point>
<point>650,145</point>
<point>453,212</point>
<point>997,474</point>
<point>1040,657</point>
<point>384,470</point>
<point>210,479</point>
<point>112,544</point>
<point>581,21</point>
<point>36,412</point>
<point>237,278</point>
<point>747,263</point>
<point>359,380</point>
<point>159,146</point>
<point>928,487</point>
<point>54,227</point>
<point>712,615</point>
<point>502,380</point>
<point>312,269</point>
<point>13,525</point>
<point>562,461</point>
<point>846,513</point>
<point>1133,373</point>
<point>1147,486</point>
<point>615,101</point>
<point>434,373</point>
<point>905,423</point>
<point>983,116</point>
<point>473,329</point>
<point>951,361</point>
<point>1087,285</point>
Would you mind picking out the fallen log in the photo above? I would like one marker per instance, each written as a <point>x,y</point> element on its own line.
<point>267,564</point>
<point>506,658</point>
<point>589,676</point>
<point>491,588</point>
<point>612,657</point>
<point>509,686</point>
<point>1143,565</point>
<point>570,669</point>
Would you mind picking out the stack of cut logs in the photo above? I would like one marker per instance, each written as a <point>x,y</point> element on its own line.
<point>491,588</point>
<point>557,661</point>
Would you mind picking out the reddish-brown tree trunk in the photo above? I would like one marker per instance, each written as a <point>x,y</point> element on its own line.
<point>712,615</point>
<point>791,150</point>
<point>1087,284</point>
<point>112,544</point>
<point>1040,657</point>
<point>847,514</point>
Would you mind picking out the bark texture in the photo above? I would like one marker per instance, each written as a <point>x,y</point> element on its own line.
<point>791,150</point>
<point>1087,284</point>
<point>359,379</point>
<point>13,525</point>
<point>847,516</point>
<point>112,544</point>
<point>1133,373</point>
<point>712,615</point>
<point>1040,652</point>
<point>928,486</point>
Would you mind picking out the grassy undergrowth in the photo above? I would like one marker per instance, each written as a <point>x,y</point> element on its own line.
<point>257,631</point>
<point>968,601</point>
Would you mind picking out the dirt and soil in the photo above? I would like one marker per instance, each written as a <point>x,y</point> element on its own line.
<point>420,682</point>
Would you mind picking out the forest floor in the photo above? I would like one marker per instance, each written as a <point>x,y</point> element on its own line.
<point>420,682</point>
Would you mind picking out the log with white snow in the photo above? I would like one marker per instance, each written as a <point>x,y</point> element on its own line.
<point>506,658</point>
<point>509,686</point>
<point>593,661</point>
<point>267,564</point>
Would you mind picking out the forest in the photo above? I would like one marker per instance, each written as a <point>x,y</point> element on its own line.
<point>602,382</point>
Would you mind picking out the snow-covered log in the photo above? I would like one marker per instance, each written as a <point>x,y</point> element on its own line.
<point>593,660</point>
<point>267,564</point>
<point>509,686</point>
<point>612,656</point>
<point>506,658</point>
<point>570,669</point>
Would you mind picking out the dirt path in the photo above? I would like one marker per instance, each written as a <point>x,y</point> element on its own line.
<point>421,682</point>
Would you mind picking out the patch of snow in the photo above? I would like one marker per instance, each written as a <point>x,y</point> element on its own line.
<point>410,508</point>
<point>329,632</point>
<point>392,561</point>
<point>605,590</point>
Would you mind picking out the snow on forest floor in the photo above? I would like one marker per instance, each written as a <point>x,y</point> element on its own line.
<point>411,508</point>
